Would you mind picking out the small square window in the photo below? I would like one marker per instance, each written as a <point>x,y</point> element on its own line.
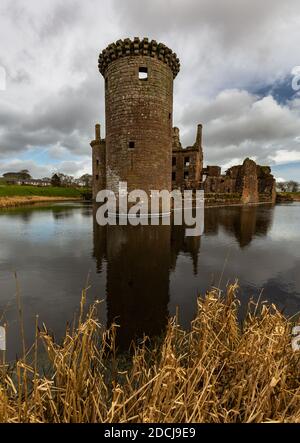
<point>173,161</point>
<point>143,73</point>
<point>186,161</point>
<point>131,145</point>
<point>97,177</point>
<point>97,162</point>
<point>173,176</point>
<point>186,175</point>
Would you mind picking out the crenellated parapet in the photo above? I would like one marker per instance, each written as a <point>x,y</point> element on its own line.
<point>137,46</point>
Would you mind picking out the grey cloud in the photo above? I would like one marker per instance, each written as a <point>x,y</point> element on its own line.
<point>226,49</point>
<point>238,124</point>
<point>75,168</point>
<point>35,170</point>
<point>47,18</point>
<point>71,109</point>
<point>67,118</point>
<point>230,17</point>
<point>62,18</point>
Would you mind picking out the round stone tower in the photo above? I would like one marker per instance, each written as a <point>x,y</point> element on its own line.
<point>139,112</point>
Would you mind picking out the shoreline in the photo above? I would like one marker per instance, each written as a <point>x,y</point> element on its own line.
<point>295,198</point>
<point>220,205</point>
<point>12,202</point>
<point>16,201</point>
<point>288,197</point>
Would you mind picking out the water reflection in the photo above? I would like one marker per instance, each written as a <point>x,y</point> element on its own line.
<point>143,273</point>
<point>137,277</point>
<point>243,222</point>
<point>186,245</point>
<point>140,260</point>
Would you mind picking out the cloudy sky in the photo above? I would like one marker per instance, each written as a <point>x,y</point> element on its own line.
<point>239,63</point>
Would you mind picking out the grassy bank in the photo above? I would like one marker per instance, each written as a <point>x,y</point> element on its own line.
<point>289,196</point>
<point>219,371</point>
<point>11,202</point>
<point>47,191</point>
<point>294,195</point>
<point>11,196</point>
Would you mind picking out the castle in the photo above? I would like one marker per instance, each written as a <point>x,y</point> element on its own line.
<point>141,145</point>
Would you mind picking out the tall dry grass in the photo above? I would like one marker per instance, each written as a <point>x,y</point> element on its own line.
<point>11,202</point>
<point>219,371</point>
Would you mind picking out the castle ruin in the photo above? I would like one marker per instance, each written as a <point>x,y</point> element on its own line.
<point>141,146</point>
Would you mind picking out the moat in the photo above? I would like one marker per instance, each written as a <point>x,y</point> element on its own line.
<point>142,273</point>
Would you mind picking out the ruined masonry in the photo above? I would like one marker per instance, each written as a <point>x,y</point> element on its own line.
<point>142,147</point>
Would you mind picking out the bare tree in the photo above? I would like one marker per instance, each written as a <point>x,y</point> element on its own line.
<point>292,186</point>
<point>288,186</point>
<point>86,179</point>
<point>55,180</point>
<point>281,186</point>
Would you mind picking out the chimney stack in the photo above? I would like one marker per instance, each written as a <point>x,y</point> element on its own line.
<point>97,132</point>
<point>199,136</point>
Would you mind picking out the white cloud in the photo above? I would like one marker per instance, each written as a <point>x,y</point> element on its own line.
<point>283,156</point>
<point>238,124</point>
<point>279,179</point>
<point>70,167</point>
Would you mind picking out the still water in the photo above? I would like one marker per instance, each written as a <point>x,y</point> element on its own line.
<point>142,273</point>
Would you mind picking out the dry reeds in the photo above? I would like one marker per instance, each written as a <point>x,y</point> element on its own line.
<point>14,201</point>
<point>219,371</point>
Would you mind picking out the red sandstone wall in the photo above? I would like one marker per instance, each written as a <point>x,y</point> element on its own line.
<point>138,111</point>
<point>99,166</point>
<point>98,162</point>
<point>249,182</point>
<point>187,164</point>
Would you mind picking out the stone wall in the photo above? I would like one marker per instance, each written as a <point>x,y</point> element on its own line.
<point>248,182</point>
<point>187,164</point>
<point>139,112</point>
<point>252,182</point>
<point>98,162</point>
<point>142,147</point>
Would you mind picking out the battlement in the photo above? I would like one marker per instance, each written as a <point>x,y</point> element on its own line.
<point>128,47</point>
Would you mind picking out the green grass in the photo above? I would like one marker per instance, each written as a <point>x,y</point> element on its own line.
<point>47,191</point>
<point>295,196</point>
<point>291,193</point>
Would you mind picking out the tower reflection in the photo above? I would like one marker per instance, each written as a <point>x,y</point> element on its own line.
<point>138,265</point>
<point>243,222</point>
<point>138,261</point>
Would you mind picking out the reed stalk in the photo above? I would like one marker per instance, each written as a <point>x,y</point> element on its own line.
<point>219,371</point>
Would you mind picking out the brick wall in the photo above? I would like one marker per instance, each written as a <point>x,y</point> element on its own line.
<point>138,123</point>
<point>141,146</point>
<point>252,182</point>
<point>98,162</point>
<point>187,164</point>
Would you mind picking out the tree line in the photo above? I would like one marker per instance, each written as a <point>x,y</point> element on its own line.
<point>288,186</point>
<point>57,179</point>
